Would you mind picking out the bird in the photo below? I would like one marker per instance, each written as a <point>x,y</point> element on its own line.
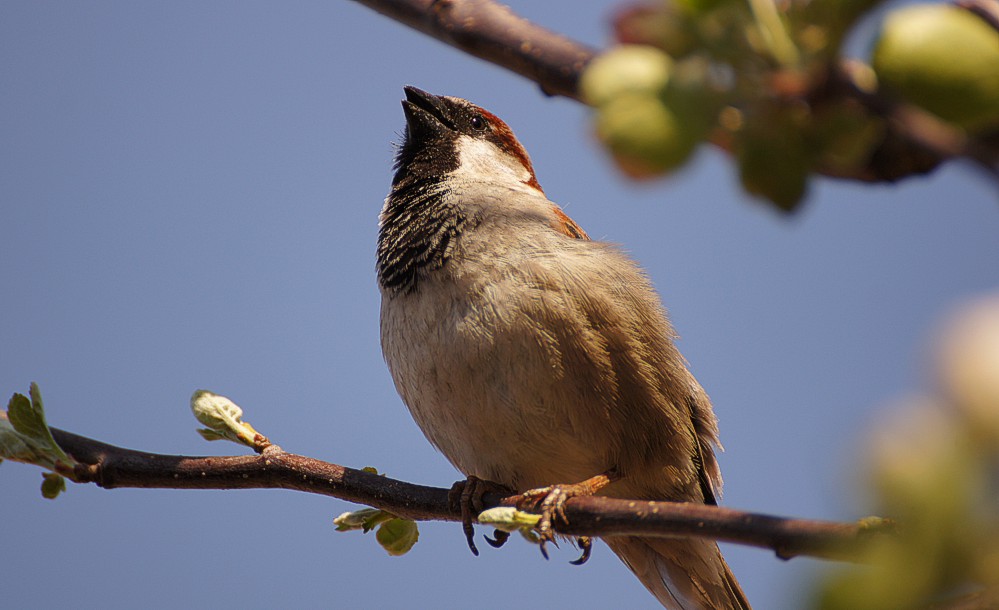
<point>534,358</point>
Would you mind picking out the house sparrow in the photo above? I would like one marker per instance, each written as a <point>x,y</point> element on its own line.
<point>533,357</point>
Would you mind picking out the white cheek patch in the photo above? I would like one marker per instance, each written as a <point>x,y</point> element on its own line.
<point>479,160</point>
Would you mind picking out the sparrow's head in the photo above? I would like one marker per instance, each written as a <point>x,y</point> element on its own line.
<point>448,136</point>
<point>457,165</point>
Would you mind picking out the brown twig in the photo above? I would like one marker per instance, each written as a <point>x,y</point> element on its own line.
<point>493,32</point>
<point>916,140</point>
<point>109,466</point>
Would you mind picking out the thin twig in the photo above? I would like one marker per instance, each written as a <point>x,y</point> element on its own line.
<point>109,466</point>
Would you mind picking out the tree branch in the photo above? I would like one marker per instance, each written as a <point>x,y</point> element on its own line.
<point>109,466</point>
<point>914,143</point>
<point>493,32</point>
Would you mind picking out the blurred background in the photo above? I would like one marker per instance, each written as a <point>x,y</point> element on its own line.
<point>189,195</point>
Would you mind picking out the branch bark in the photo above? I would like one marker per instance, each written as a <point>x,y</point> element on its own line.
<point>112,467</point>
<point>493,32</point>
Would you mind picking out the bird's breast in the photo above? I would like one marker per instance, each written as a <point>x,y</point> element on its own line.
<point>492,386</point>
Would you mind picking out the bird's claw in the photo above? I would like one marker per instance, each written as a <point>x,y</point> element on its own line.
<point>586,544</point>
<point>552,506</point>
<point>499,538</point>
<point>466,496</point>
<point>550,502</point>
<point>461,497</point>
<point>542,543</point>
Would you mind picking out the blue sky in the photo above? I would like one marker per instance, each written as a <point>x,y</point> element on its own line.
<point>188,199</point>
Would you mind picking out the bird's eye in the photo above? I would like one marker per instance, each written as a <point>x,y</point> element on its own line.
<point>478,123</point>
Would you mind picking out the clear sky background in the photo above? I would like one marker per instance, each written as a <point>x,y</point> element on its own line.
<point>189,194</point>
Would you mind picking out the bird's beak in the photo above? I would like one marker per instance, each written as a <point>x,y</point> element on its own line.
<point>426,114</point>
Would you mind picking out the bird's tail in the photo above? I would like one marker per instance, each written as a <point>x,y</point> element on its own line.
<point>683,573</point>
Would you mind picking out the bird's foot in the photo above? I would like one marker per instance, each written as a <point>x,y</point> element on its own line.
<point>550,502</point>
<point>466,496</point>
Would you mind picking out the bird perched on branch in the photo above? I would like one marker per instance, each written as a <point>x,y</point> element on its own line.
<point>534,358</point>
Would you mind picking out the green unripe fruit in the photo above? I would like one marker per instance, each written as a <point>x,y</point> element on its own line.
<point>644,135</point>
<point>942,58</point>
<point>628,68</point>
